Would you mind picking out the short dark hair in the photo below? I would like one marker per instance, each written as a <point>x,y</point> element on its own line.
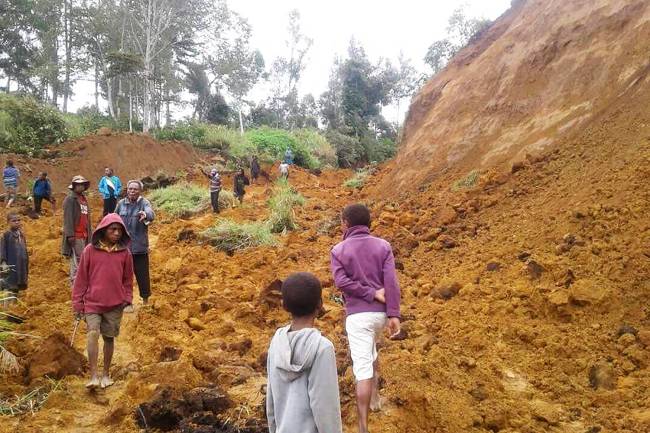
<point>356,215</point>
<point>12,215</point>
<point>10,163</point>
<point>301,294</point>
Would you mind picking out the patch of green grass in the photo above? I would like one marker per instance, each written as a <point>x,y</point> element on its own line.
<point>181,200</point>
<point>230,236</point>
<point>281,203</point>
<point>468,181</point>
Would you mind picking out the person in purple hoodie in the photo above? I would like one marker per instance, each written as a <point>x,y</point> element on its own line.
<point>363,267</point>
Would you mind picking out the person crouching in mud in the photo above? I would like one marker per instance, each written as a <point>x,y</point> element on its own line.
<point>102,289</point>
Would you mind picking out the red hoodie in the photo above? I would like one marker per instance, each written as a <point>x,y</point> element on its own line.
<point>104,279</point>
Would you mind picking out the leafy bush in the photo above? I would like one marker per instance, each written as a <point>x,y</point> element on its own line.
<point>322,151</point>
<point>346,147</point>
<point>378,150</point>
<point>281,203</point>
<point>27,126</point>
<point>230,236</point>
<point>192,132</point>
<point>360,177</point>
<point>183,199</point>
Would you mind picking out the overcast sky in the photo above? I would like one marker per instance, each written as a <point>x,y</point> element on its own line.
<point>383,27</point>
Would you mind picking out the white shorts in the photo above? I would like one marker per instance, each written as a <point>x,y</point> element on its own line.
<point>364,329</point>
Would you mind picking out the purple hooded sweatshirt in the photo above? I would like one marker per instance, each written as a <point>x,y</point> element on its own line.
<point>361,265</point>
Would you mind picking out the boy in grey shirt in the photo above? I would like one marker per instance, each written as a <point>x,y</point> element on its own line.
<point>302,395</point>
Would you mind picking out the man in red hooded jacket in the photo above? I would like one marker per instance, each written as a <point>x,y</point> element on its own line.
<point>102,288</point>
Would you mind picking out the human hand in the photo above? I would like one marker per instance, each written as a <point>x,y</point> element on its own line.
<point>143,215</point>
<point>393,327</point>
<point>380,295</point>
<point>78,315</point>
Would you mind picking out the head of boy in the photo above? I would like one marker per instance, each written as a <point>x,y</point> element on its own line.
<point>113,233</point>
<point>301,295</point>
<point>108,172</point>
<point>13,219</point>
<point>10,163</point>
<point>355,215</point>
<point>43,175</point>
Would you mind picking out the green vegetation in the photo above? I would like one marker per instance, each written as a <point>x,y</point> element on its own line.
<point>230,236</point>
<point>360,177</point>
<point>27,126</point>
<point>28,403</point>
<point>468,181</point>
<point>183,199</point>
<point>281,203</point>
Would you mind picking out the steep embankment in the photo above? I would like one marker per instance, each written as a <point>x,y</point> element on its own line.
<point>539,76</point>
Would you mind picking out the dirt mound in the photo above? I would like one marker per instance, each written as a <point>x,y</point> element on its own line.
<point>55,359</point>
<point>132,156</point>
<point>542,73</point>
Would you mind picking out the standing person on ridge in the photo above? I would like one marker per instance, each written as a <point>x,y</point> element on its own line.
<point>239,188</point>
<point>76,223</point>
<point>110,188</point>
<point>215,188</point>
<point>255,169</point>
<point>284,170</point>
<point>10,177</point>
<point>102,290</point>
<point>288,156</point>
<point>363,267</point>
<point>13,253</point>
<point>136,213</point>
<point>43,191</point>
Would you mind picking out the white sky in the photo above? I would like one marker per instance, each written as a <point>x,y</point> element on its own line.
<point>382,27</point>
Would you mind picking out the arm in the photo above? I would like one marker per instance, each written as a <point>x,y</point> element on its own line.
<point>348,285</point>
<point>3,249</point>
<point>68,217</point>
<point>323,389</point>
<point>391,285</point>
<point>148,210</point>
<point>101,186</point>
<point>127,278</point>
<point>80,286</point>
<point>118,186</point>
<point>270,411</point>
<point>48,187</point>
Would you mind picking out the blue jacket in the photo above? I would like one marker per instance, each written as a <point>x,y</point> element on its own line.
<point>42,188</point>
<point>138,230</point>
<point>105,191</point>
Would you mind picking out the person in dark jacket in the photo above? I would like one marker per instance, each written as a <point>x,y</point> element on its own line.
<point>76,223</point>
<point>110,188</point>
<point>240,181</point>
<point>215,188</point>
<point>43,191</point>
<point>255,169</point>
<point>13,253</point>
<point>102,289</point>
<point>136,213</point>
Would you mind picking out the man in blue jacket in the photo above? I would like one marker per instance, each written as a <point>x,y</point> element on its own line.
<point>137,214</point>
<point>43,191</point>
<point>110,188</point>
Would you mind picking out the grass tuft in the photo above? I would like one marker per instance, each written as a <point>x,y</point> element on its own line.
<point>183,200</point>
<point>281,203</point>
<point>468,181</point>
<point>230,236</point>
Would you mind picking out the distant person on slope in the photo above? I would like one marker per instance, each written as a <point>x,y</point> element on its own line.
<point>363,267</point>
<point>255,169</point>
<point>13,253</point>
<point>239,185</point>
<point>76,223</point>
<point>43,191</point>
<point>110,188</point>
<point>284,170</point>
<point>103,287</point>
<point>215,188</point>
<point>10,177</point>
<point>288,156</point>
<point>136,213</point>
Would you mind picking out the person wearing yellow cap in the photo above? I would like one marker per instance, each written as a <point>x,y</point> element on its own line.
<point>76,223</point>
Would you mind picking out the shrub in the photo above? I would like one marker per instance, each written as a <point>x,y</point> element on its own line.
<point>181,200</point>
<point>360,177</point>
<point>321,151</point>
<point>27,126</point>
<point>230,236</point>
<point>281,203</point>
<point>346,148</point>
<point>192,132</point>
<point>468,181</point>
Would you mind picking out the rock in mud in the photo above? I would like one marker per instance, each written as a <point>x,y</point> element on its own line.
<point>493,266</point>
<point>535,270</point>
<point>523,256</point>
<point>548,412</point>
<point>169,354</point>
<point>626,329</point>
<point>602,376</point>
<point>56,359</point>
<point>446,216</point>
<point>585,292</point>
<point>271,295</point>
<point>446,291</point>
<point>195,324</point>
<point>447,242</point>
<point>202,422</point>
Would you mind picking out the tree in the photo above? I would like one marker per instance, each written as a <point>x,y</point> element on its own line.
<point>18,50</point>
<point>460,31</point>
<point>405,82</point>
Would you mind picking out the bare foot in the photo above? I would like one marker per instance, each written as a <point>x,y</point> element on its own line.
<point>94,383</point>
<point>106,382</point>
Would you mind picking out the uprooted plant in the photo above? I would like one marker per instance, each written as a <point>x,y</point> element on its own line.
<point>183,200</point>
